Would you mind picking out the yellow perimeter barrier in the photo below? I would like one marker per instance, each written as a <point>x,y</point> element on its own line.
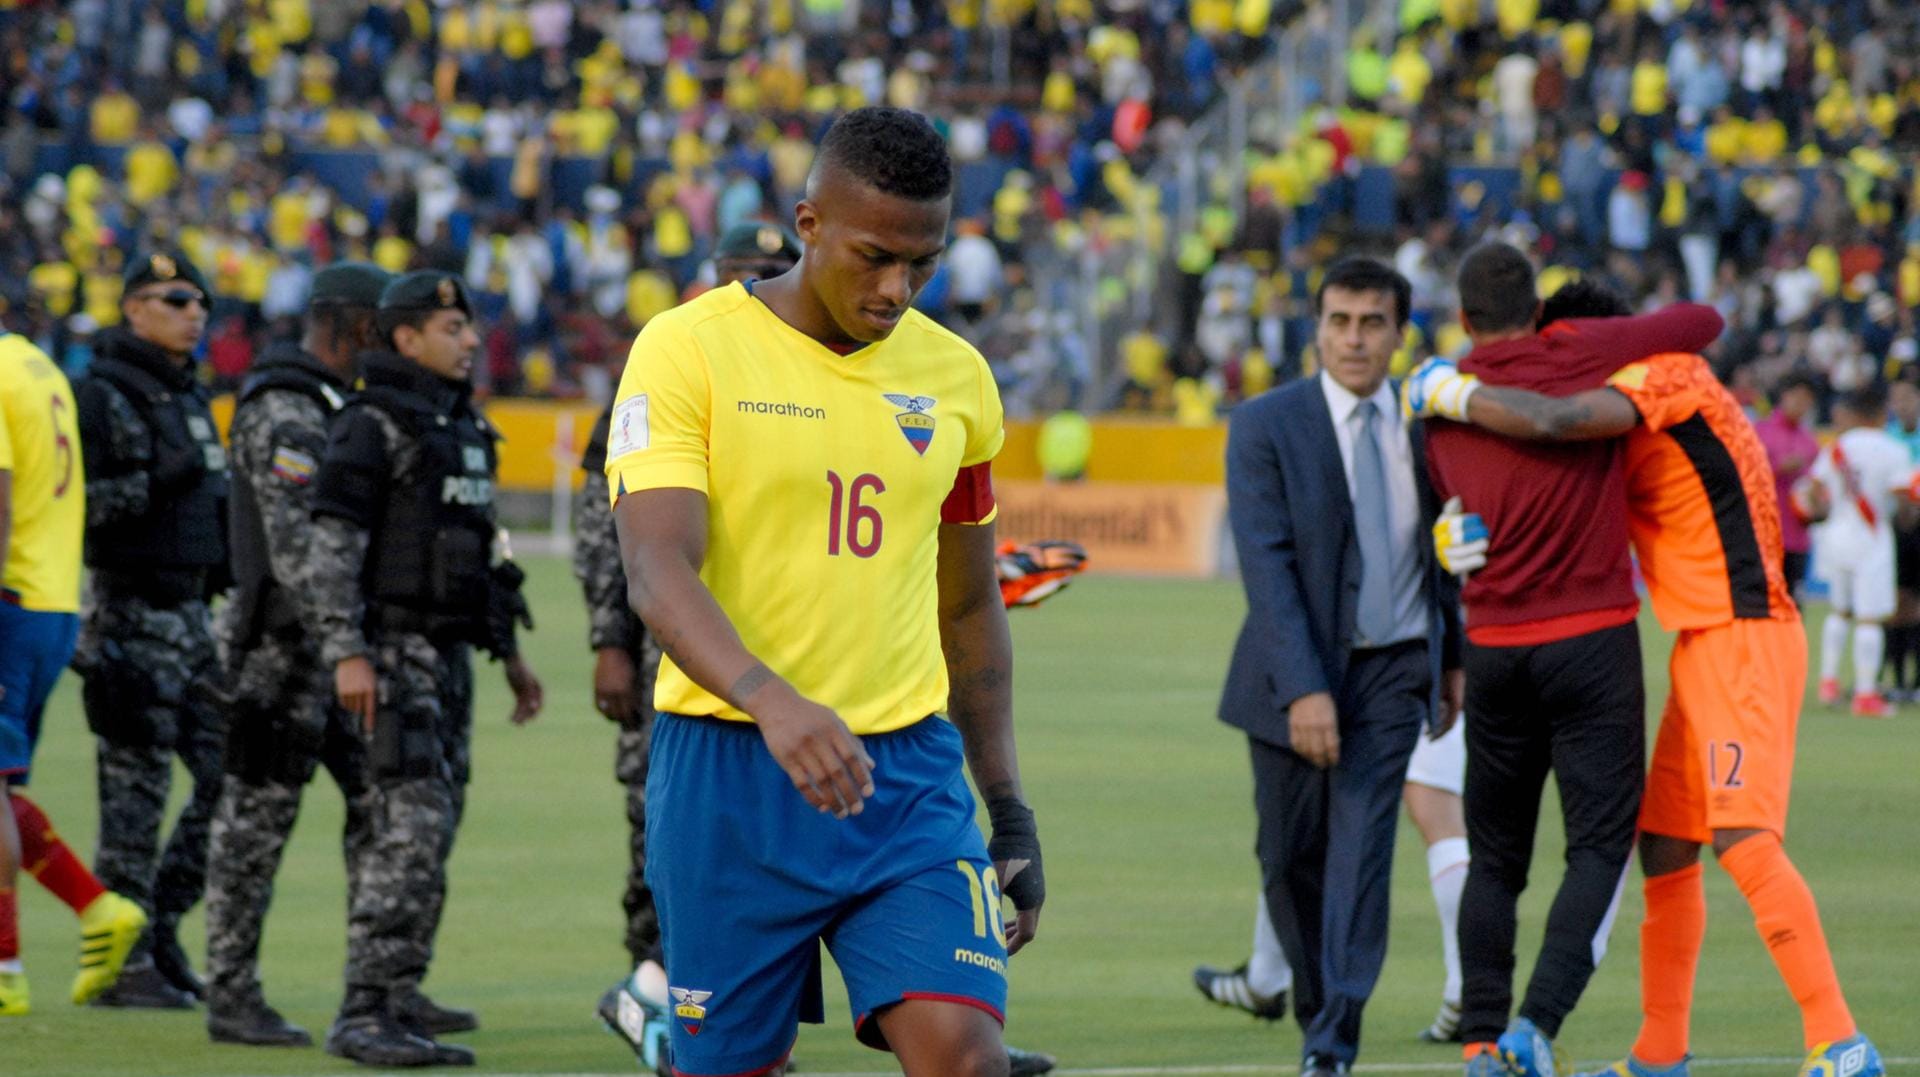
<point>544,440</point>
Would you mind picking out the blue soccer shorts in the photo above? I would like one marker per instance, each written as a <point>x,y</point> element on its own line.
<point>34,648</point>
<point>750,879</point>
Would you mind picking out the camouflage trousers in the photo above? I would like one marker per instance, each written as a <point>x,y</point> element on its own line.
<point>284,725</point>
<point>632,750</point>
<point>630,767</point>
<point>145,668</point>
<point>419,761</point>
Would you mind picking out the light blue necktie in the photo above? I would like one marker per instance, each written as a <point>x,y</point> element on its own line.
<point>1370,516</point>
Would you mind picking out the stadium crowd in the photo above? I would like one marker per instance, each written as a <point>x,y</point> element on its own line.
<point>1744,154</point>
<point>1752,156</point>
<point>695,116</point>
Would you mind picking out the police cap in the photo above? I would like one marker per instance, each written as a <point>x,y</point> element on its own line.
<point>163,267</point>
<point>353,284</point>
<point>759,241</point>
<point>425,291</point>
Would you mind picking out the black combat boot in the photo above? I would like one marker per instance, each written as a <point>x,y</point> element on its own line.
<point>418,1011</point>
<point>255,1024</point>
<point>172,961</point>
<point>141,987</point>
<point>366,1033</point>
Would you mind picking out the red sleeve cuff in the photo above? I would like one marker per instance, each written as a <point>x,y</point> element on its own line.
<point>971,500</point>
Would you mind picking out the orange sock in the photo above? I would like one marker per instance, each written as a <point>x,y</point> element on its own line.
<point>1474,1050</point>
<point>1670,941</point>
<point>1789,923</point>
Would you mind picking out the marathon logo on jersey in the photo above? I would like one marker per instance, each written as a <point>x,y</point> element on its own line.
<point>914,422</point>
<point>293,465</point>
<point>690,1008</point>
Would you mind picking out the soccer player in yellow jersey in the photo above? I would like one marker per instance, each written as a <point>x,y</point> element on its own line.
<point>43,510</point>
<point>800,483</point>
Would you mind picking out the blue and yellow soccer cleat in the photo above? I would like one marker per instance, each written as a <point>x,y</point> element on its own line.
<point>109,926</point>
<point>1633,1067</point>
<point>1855,1056</point>
<point>1526,1051</point>
<point>640,1023</point>
<point>13,995</point>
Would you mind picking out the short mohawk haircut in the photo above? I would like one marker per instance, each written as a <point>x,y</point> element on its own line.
<point>893,150</point>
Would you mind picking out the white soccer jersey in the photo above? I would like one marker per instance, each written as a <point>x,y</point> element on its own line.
<point>1863,470</point>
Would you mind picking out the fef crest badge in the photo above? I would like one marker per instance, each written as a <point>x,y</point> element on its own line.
<point>689,1008</point>
<point>914,422</point>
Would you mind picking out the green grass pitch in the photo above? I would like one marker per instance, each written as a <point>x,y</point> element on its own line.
<point>1144,804</point>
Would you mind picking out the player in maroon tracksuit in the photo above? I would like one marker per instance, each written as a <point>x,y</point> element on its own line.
<point>1553,659</point>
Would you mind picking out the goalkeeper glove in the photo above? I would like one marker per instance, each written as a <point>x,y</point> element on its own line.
<point>1437,388</point>
<point>1032,573</point>
<point>1460,539</point>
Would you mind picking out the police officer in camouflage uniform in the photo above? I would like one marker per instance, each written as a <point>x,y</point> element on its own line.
<point>406,579</point>
<point>283,716</point>
<point>157,546</point>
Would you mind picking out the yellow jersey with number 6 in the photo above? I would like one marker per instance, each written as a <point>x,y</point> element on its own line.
<point>827,478</point>
<point>40,445</point>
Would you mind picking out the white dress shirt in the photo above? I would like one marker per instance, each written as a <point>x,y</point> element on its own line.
<point>1403,498</point>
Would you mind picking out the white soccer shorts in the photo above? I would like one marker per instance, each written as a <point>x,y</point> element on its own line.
<point>1441,764</point>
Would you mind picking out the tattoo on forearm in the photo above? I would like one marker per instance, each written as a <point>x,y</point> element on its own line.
<point>749,682</point>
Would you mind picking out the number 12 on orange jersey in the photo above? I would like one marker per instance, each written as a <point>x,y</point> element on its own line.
<point>847,515</point>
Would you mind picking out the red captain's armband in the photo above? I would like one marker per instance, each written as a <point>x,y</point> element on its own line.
<point>971,501</point>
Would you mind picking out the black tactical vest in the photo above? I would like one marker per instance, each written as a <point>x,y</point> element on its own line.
<point>433,548</point>
<point>594,460</point>
<point>183,528</point>
<point>262,607</point>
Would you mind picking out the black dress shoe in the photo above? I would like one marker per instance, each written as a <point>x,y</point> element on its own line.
<point>422,1014</point>
<point>141,987</point>
<point>256,1025</point>
<point>172,962</point>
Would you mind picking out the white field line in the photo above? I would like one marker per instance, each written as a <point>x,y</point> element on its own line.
<point>1211,1071</point>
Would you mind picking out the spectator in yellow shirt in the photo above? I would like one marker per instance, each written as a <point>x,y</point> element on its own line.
<point>114,117</point>
<point>152,171</point>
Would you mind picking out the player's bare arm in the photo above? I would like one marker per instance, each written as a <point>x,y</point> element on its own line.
<point>663,542</point>
<point>1593,415</point>
<point>979,655</point>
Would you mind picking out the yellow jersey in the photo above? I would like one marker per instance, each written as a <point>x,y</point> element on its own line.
<point>40,445</point>
<point>827,479</point>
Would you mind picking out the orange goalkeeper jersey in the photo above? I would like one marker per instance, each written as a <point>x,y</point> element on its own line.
<point>1700,498</point>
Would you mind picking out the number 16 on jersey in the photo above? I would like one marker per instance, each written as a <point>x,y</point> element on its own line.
<point>850,519</point>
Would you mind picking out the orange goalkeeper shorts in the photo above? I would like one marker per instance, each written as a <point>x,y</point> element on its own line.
<point>1723,759</point>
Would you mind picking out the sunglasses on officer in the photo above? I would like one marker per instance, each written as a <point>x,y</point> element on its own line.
<point>180,299</point>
